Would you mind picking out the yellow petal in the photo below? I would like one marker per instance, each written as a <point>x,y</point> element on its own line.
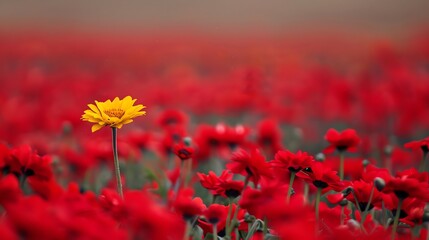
<point>94,108</point>
<point>96,127</point>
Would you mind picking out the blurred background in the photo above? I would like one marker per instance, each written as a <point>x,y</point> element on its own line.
<point>381,17</point>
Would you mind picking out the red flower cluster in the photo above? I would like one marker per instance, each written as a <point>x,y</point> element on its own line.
<point>218,167</point>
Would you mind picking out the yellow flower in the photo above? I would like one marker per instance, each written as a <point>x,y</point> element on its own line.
<point>112,114</point>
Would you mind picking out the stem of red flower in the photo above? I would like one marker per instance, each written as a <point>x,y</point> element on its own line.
<point>265,230</point>
<point>187,230</point>
<point>116,162</point>
<point>342,215</point>
<point>289,192</point>
<point>181,180</point>
<point>215,231</point>
<point>231,225</point>
<point>214,198</point>
<point>22,179</point>
<point>318,195</point>
<point>422,166</point>
<point>188,165</point>
<point>396,221</point>
<point>228,219</point>
<point>365,212</point>
<point>341,165</point>
<point>306,192</point>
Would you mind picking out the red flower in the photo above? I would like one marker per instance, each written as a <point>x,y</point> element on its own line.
<point>112,202</point>
<point>4,156</point>
<point>172,117</point>
<point>254,200</point>
<point>252,165</point>
<point>269,135</point>
<point>26,163</point>
<point>214,213</point>
<point>422,144</point>
<point>206,225</point>
<point>335,198</point>
<point>139,139</point>
<point>187,206</point>
<point>321,177</point>
<point>149,220</point>
<point>9,190</point>
<point>290,221</point>
<point>290,161</point>
<point>405,187</point>
<point>211,182</point>
<point>230,188</point>
<point>182,151</point>
<point>346,140</point>
<point>362,191</point>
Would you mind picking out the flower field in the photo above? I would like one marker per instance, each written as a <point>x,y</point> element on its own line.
<point>198,138</point>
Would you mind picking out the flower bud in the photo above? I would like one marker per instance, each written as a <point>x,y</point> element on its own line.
<point>187,141</point>
<point>388,149</point>
<point>365,162</point>
<point>343,202</point>
<point>249,218</point>
<point>379,183</point>
<point>353,224</point>
<point>347,191</point>
<point>320,157</point>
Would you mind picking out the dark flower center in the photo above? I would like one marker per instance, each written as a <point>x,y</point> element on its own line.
<point>27,171</point>
<point>295,170</point>
<point>232,145</point>
<point>362,206</point>
<point>213,142</point>
<point>188,217</point>
<point>266,141</point>
<point>320,184</point>
<point>232,193</point>
<point>402,214</point>
<point>342,148</point>
<point>424,148</point>
<point>248,171</point>
<point>6,170</point>
<point>401,194</point>
<point>213,220</point>
<point>183,154</point>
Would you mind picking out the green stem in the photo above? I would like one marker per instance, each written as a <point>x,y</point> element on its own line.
<point>187,230</point>
<point>228,218</point>
<point>214,198</point>
<point>290,189</point>
<point>231,225</point>
<point>365,212</point>
<point>318,195</point>
<point>306,192</point>
<point>356,202</point>
<point>116,162</point>
<point>265,226</point>
<point>22,179</point>
<point>396,221</point>
<point>214,231</point>
<point>233,221</point>
<point>188,175</point>
<point>341,165</point>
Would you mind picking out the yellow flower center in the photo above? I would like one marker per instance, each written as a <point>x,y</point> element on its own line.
<point>115,112</point>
